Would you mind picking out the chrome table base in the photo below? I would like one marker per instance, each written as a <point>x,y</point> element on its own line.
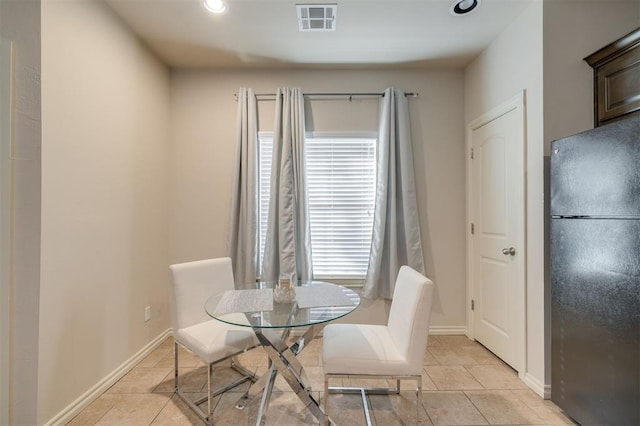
<point>283,360</point>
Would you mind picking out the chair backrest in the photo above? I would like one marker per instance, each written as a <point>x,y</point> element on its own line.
<point>410,315</point>
<point>193,283</point>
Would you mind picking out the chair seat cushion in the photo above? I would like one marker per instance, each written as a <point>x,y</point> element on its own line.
<point>213,340</point>
<point>363,349</point>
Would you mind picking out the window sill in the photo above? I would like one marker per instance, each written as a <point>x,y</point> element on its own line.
<point>351,282</point>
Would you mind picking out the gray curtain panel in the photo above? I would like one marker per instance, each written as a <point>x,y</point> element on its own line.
<point>288,240</point>
<point>396,226</point>
<point>243,218</point>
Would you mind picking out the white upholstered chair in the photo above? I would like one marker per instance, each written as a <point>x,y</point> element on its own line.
<point>393,351</point>
<point>211,340</point>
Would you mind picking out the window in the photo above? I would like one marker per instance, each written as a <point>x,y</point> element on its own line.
<point>341,177</point>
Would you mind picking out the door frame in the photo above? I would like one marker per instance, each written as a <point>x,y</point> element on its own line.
<point>6,109</point>
<point>515,103</point>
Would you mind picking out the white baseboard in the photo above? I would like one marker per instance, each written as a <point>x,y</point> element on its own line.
<point>101,387</point>
<point>538,387</point>
<point>444,330</point>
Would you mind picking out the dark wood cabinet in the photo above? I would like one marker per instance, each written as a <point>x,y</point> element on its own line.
<point>616,70</point>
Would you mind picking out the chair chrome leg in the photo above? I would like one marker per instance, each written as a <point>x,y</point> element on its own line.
<point>249,375</point>
<point>372,391</point>
<point>175,365</point>
<point>209,396</point>
<point>326,398</point>
<point>419,399</point>
<point>365,406</point>
<point>207,416</point>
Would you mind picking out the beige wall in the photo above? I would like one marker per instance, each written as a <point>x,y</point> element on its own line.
<point>568,79</point>
<point>203,120</point>
<point>105,115</point>
<point>511,64</point>
<point>20,23</point>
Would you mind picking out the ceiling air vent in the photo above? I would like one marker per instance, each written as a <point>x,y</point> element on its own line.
<point>317,17</point>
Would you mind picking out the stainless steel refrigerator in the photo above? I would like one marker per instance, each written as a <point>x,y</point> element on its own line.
<point>595,274</point>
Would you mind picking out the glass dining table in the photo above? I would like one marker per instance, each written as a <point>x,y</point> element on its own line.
<point>316,304</point>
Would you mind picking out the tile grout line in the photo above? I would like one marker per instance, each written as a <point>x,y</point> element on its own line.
<point>103,416</point>
<point>425,409</point>
<point>541,422</point>
<point>476,407</point>
<point>470,400</point>
<point>160,410</point>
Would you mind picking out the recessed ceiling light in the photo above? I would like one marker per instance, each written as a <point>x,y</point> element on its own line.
<point>215,6</point>
<point>463,7</point>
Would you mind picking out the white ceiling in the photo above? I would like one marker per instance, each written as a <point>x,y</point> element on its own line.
<point>264,33</point>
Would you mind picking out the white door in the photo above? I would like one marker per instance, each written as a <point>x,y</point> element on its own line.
<point>496,169</point>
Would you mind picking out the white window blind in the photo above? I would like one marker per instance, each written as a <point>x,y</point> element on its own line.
<point>341,191</point>
<point>265,148</point>
<point>341,177</point>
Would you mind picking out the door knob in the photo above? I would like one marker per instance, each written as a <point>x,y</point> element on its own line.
<point>509,251</point>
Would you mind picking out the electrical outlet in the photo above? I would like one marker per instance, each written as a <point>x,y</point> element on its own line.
<point>147,313</point>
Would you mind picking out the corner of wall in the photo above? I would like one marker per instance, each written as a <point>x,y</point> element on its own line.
<point>20,23</point>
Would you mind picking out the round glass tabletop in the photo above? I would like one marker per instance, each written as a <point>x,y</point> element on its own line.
<point>315,302</point>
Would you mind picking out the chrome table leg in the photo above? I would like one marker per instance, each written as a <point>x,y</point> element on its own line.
<point>283,360</point>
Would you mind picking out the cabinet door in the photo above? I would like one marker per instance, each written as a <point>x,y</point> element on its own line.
<point>618,87</point>
<point>616,79</point>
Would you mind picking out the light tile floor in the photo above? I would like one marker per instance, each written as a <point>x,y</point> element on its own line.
<point>463,384</point>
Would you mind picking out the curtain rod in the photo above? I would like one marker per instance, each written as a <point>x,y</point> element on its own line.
<point>270,96</point>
